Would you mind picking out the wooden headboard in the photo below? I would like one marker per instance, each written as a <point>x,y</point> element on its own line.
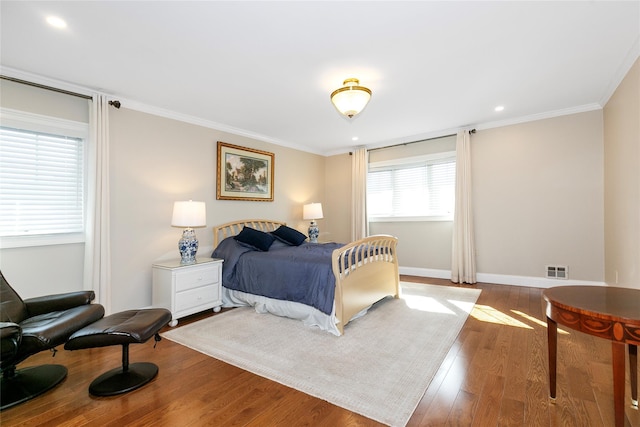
<point>221,232</point>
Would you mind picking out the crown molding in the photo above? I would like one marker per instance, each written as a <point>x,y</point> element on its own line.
<point>149,109</point>
<point>156,111</point>
<point>623,69</point>
<point>540,116</point>
<point>46,81</point>
<point>482,126</point>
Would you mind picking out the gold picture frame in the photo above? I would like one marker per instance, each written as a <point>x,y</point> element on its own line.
<point>244,173</point>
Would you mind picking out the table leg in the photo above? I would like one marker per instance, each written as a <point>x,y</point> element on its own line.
<point>552,343</point>
<point>633,373</point>
<point>618,353</point>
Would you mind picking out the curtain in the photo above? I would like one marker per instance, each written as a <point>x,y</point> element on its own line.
<point>463,259</point>
<point>359,166</point>
<point>97,261</point>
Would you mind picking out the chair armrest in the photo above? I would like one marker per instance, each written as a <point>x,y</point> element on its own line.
<point>9,330</point>
<point>10,337</point>
<point>58,302</point>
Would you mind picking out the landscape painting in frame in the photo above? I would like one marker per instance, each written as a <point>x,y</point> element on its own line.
<point>244,173</point>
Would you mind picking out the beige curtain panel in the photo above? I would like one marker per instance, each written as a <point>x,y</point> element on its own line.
<point>463,259</point>
<point>97,259</point>
<point>359,169</point>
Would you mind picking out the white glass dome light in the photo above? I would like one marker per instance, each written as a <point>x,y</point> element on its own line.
<point>351,98</point>
<point>56,22</point>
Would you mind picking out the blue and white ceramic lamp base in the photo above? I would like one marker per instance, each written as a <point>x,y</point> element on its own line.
<point>188,246</point>
<point>313,232</point>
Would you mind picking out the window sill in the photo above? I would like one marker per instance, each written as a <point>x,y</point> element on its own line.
<point>40,240</point>
<point>448,218</point>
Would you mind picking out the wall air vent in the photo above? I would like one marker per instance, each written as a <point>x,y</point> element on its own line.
<point>557,272</point>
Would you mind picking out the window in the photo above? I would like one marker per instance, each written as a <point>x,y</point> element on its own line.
<point>421,188</point>
<point>42,183</point>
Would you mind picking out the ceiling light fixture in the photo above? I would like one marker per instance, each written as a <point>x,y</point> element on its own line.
<point>56,22</point>
<point>351,98</point>
<point>499,108</point>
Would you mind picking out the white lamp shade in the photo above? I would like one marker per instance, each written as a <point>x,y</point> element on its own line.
<point>189,214</point>
<point>312,211</point>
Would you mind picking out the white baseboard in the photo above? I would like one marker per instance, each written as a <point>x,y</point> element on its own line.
<point>534,282</point>
<point>425,272</point>
<point>500,279</point>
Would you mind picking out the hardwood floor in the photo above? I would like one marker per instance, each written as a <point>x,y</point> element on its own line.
<point>494,375</point>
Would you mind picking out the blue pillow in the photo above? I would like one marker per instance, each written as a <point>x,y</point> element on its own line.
<point>289,235</point>
<point>255,238</point>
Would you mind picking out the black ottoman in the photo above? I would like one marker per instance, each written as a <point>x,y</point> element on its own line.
<point>124,328</point>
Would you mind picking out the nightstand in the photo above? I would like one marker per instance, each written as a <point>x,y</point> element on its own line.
<point>187,289</point>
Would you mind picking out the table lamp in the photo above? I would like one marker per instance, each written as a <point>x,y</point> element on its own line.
<point>312,211</point>
<point>188,214</point>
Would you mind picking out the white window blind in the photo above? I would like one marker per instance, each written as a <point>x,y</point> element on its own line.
<point>412,188</point>
<point>41,183</point>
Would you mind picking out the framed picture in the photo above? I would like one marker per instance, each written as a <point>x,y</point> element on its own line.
<point>244,173</point>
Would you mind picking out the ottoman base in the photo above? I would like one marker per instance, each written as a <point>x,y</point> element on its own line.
<point>119,380</point>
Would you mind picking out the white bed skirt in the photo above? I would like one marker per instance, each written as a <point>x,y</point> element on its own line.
<point>310,316</point>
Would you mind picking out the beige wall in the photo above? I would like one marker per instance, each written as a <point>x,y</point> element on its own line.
<point>622,182</point>
<point>156,161</point>
<point>22,97</point>
<point>420,148</point>
<point>538,197</point>
<point>44,270</point>
<point>424,248</point>
<point>337,205</point>
<point>538,200</point>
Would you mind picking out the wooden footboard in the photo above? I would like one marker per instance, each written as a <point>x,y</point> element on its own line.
<point>366,271</point>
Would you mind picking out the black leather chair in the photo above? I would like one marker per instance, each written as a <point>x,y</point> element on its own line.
<point>33,325</point>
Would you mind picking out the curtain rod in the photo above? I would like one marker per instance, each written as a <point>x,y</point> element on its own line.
<point>415,142</point>
<point>54,89</point>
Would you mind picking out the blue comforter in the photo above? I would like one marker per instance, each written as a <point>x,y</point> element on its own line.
<point>293,273</point>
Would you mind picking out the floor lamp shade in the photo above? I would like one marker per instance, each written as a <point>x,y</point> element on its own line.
<point>188,214</point>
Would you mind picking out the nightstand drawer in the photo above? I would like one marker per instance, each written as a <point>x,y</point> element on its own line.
<point>196,277</point>
<point>187,289</point>
<point>195,297</point>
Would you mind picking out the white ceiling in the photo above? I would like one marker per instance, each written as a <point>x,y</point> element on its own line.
<point>266,69</point>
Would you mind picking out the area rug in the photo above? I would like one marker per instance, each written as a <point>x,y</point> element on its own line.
<point>379,368</point>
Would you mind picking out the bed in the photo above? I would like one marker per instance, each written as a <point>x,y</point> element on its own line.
<point>354,276</point>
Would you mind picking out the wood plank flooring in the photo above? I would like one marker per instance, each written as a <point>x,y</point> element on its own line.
<point>494,375</point>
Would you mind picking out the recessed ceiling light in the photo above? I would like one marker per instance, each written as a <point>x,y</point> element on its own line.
<point>56,22</point>
<point>499,108</point>
<point>355,138</point>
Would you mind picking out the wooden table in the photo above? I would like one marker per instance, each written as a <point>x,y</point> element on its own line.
<point>605,312</point>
